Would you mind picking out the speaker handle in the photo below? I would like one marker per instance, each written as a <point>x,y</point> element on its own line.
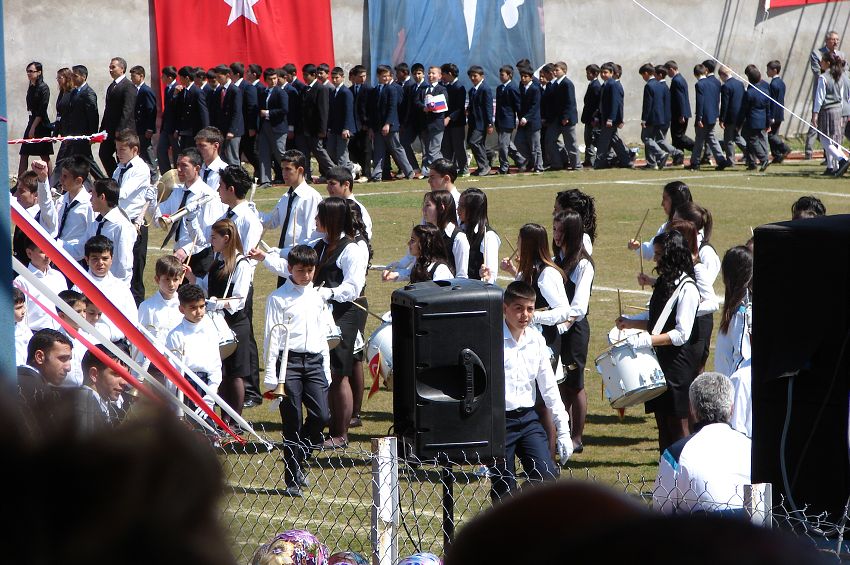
<point>470,360</point>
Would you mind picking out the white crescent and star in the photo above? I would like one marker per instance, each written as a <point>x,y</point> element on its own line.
<point>241,8</point>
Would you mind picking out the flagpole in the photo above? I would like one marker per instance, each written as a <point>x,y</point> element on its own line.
<point>7,322</point>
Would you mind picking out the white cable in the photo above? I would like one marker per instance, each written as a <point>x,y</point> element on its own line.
<point>744,79</point>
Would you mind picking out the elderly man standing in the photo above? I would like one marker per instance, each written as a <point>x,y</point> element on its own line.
<point>830,44</point>
<point>706,471</point>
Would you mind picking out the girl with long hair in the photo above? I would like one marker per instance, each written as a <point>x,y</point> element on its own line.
<point>432,263</point>
<point>585,205</point>
<point>361,237</point>
<point>675,194</point>
<point>479,244</point>
<point>38,124</point>
<point>733,336</point>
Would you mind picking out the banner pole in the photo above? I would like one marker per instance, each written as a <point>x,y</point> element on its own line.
<point>7,323</point>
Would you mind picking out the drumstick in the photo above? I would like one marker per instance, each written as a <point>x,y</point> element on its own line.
<point>641,264</point>
<point>265,246</point>
<point>368,311</point>
<point>640,227</point>
<point>620,305</point>
<point>189,256</point>
<point>641,308</point>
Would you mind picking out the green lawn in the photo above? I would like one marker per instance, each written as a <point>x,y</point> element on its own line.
<point>337,505</point>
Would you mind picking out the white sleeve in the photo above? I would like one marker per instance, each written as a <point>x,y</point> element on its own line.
<point>708,257</point>
<point>124,252</point>
<point>708,300</point>
<point>551,286</point>
<point>686,311</point>
<point>353,262</point>
<point>241,285</point>
<point>549,389</point>
<point>311,210</point>
<point>584,272</point>
<point>490,248</point>
<point>647,248</point>
<point>274,316</point>
<point>49,218</point>
<point>664,495</point>
<point>742,413</point>
<point>460,248</point>
<point>255,233</point>
<point>276,263</point>
<point>169,206</point>
<point>820,94</point>
<point>272,219</point>
<point>442,273</point>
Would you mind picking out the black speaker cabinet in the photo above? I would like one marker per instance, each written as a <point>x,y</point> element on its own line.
<point>448,369</point>
<point>801,320</point>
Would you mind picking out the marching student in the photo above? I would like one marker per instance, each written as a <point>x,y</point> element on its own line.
<point>454,146</point>
<point>480,119</point>
<point>360,146</point>
<point>755,119</point>
<point>193,109</point>
<point>167,139</point>
<point>274,126</point>
<point>227,284</point>
<point>250,113</point>
<point>732,347</point>
<point>192,339</point>
<point>228,114</point>
<point>680,110</point>
<point>111,221</point>
<point>507,107</point>
<point>39,265</point>
<point>434,124</point>
<point>778,147</point>
<point>315,107</point>
<point>385,124</point>
<point>674,194</point>
<point>68,220</point>
<point>527,138</point>
<point>298,305</point>
<point>585,205</point>
<point>23,333</point>
<point>677,155</point>
<point>590,107</point>
<point>566,117</point>
<point>675,296</point>
<point>74,299</point>
<point>527,370</point>
<point>160,313</point>
<point>208,141</point>
<point>706,114</point>
<point>731,98</point>
<point>135,198</point>
<point>412,120</point>
<point>340,119</point>
<point>482,242</point>
<point>610,119</point>
<point>578,268</point>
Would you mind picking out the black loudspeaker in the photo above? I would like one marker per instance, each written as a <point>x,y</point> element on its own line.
<point>801,326</point>
<point>448,369</point>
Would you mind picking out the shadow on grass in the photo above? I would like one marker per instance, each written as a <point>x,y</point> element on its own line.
<point>613,441</point>
<point>609,419</point>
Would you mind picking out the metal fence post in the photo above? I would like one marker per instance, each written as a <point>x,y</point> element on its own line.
<point>385,507</point>
<point>758,502</point>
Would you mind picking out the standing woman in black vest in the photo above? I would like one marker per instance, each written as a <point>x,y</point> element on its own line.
<point>38,124</point>
<point>361,237</point>
<point>341,275</point>
<point>674,341</point>
<point>573,257</point>
<point>482,243</point>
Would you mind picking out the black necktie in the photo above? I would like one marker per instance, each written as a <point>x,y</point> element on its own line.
<point>110,89</point>
<point>100,221</point>
<point>65,217</point>
<point>179,225</point>
<point>290,194</point>
<point>122,170</point>
<point>356,90</point>
<point>206,174</point>
<point>230,214</point>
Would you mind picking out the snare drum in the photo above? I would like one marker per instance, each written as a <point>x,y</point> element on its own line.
<point>631,376</point>
<point>334,336</point>
<point>226,338</point>
<point>381,341</point>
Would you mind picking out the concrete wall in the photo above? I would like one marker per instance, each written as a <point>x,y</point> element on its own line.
<point>577,31</point>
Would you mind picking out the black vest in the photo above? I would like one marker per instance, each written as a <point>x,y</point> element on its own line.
<point>449,241</point>
<point>217,286</point>
<point>656,305</point>
<point>329,272</point>
<point>476,256</point>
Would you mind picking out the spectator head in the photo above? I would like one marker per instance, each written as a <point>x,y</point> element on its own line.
<point>711,396</point>
<point>807,207</point>
<point>49,351</point>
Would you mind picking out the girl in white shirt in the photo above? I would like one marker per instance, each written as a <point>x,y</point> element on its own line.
<point>585,205</point>
<point>478,237</point>
<point>675,194</point>
<point>733,337</point>
<point>426,244</point>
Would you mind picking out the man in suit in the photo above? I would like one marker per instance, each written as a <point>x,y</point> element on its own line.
<point>507,108</point>
<point>167,139</point>
<point>680,109</point>
<point>250,114</point>
<point>588,110</point>
<point>118,112</point>
<point>82,120</point>
<point>315,108</point>
<point>274,127</point>
<point>434,123</point>
<point>565,118</point>
<point>341,119</point>
<point>145,115</point>
<point>454,147</point>
<point>479,119</point>
<point>778,148</point>
<point>229,116</point>
<point>831,41</point>
<point>528,130</point>
<point>755,119</point>
<point>191,108</point>
<point>408,117</point>
<point>654,117</point>
<point>731,99</point>
<point>706,114</point>
<point>49,354</point>
<point>385,125</point>
<point>360,145</point>
<point>610,120</point>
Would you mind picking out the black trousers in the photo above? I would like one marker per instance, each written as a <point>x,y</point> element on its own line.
<point>524,438</point>
<point>680,139</point>
<point>140,257</point>
<point>107,154</point>
<point>252,381</point>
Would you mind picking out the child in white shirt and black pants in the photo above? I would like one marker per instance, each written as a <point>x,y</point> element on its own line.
<point>298,305</point>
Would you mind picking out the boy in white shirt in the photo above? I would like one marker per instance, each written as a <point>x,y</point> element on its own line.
<point>77,301</point>
<point>112,222</point>
<point>68,221</point>
<point>22,332</point>
<point>37,318</point>
<point>207,142</point>
<point>298,305</point>
<point>193,340</point>
<point>160,313</point>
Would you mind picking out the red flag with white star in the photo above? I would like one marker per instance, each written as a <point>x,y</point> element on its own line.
<point>270,33</point>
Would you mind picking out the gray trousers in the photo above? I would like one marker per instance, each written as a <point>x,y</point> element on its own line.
<point>528,145</point>
<point>407,136</point>
<point>432,143</point>
<point>756,145</point>
<point>656,146</point>
<point>230,151</point>
<point>590,135</point>
<point>476,140</point>
<point>570,144</point>
<point>388,145</point>
<point>270,146</point>
<point>731,138</point>
<point>317,149</point>
<point>508,149</point>
<point>609,139</point>
<point>705,136</point>
<point>338,150</point>
<point>454,148</point>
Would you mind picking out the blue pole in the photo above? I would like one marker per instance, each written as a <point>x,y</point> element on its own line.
<point>7,320</point>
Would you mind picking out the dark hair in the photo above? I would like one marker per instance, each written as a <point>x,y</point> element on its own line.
<point>68,78</point>
<point>507,69</point>
<point>607,67</point>
<point>77,166</point>
<point>190,293</point>
<point>308,69</point>
<point>99,244</point>
<point>432,249</point>
<point>754,74</point>
<point>186,71</point>
<point>475,70</point>
<point>323,67</point>
<point>209,134</point>
<point>18,296</point>
<point>647,68</point>
<point>699,70</point>
<point>209,74</point>
<point>138,70</point>
<point>237,69</point>
<point>341,175</point>
<point>449,68</point>
<point>679,194</point>
<point>688,231</point>
<point>519,290</point>
<point>675,260</point>
<point>193,155</point>
<point>43,340</point>
<point>108,188</point>
<point>709,65</point>
<point>737,269</point>
<point>445,167</point>
<point>40,70</point>
<point>270,72</point>
<point>81,70</point>
<point>335,217</point>
<point>592,68</point>
<point>402,67</point>
<point>445,204</point>
<point>660,71</point>
<point>618,70</point>
<point>358,226</point>
<point>671,64</point>
<point>474,201</point>
<point>302,255</point>
<point>169,71</point>
<point>807,207</point>
<point>237,178</point>
<point>121,62</point>
<point>701,218</point>
<point>416,67</point>
<point>71,297</point>
<point>582,203</point>
<point>168,266</point>
<point>222,70</point>
<point>337,72</point>
<point>383,69</point>
<point>572,246</point>
<point>836,65</point>
<point>525,71</point>
<point>295,157</point>
<point>534,255</point>
<point>91,360</point>
<point>774,65</point>
<point>255,69</point>
<point>28,181</point>
<point>128,137</point>
<point>290,69</point>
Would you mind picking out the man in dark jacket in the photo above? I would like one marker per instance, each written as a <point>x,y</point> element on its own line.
<point>479,118</point>
<point>145,115</point>
<point>315,108</point>
<point>118,113</point>
<point>385,125</point>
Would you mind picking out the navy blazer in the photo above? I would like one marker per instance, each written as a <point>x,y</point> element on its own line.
<point>777,92</point>
<point>361,105</point>
<point>507,106</point>
<point>591,101</point>
<point>145,110</point>
<point>315,107</point>
<point>433,121</point>
<point>457,104</point>
<point>342,111</point>
<point>406,112</point>
<point>229,116</point>
<point>611,103</point>
<point>120,107</point>
<point>731,99</point>
<point>529,106</point>
<point>756,107</point>
<point>480,111</point>
<point>276,101</point>
<point>169,116</point>
<point>567,109</point>
<point>387,102</point>
<point>707,101</point>
<point>656,104</point>
<point>680,106</point>
<point>549,103</point>
<point>193,112</point>
<point>250,106</point>
<point>83,114</point>
<point>293,117</point>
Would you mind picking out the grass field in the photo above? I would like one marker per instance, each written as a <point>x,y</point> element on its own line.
<point>737,199</point>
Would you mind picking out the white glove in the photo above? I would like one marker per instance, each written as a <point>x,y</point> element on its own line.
<point>193,206</point>
<point>326,293</point>
<point>640,340</point>
<point>253,207</point>
<point>565,447</point>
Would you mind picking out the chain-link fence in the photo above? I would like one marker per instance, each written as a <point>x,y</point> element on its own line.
<point>364,500</point>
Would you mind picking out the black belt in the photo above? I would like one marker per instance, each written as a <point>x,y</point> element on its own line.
<point>518,412</point>
<point>298,354</point>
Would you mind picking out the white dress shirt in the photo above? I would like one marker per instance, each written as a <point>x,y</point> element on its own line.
<point>527,364</point>
<point>404,265</point>
<point>134,186</point>
<point>647,248</point>
<point>197,346</point>
<point>301,309</point>
<point>23,334</point>
<point>733,347</point>
<point>159,316</point>
<point>302,220</point>
<point>118,292</point>
<point>212,177</point>
<point>742,403</point>
<point>75,229</point>
<point>75,376</point>
<point>122,233</point>
<point>441,273</point>
<point>706,272</point>
<point>194,223</point>
<point>37,318</point>
<point>367,219</point>
<point>243,274</point>
<point>686,308</point>
<point>248,224</point>
<point>46,207</point>
<point>489,247</point>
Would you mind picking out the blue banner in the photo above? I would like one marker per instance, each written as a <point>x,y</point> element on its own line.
<point>489,33</point>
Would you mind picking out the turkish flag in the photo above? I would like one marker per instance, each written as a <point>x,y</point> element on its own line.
<point>270,33</point>
<point>375,369</point>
